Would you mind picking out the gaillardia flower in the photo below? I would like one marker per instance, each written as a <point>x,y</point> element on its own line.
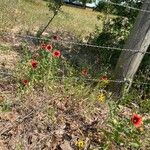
<point>25,82</point>
<point>104,79</point>
<point>49,47</point>
<point>56,53</point>
<point>55,37</point>
<point>136,120</point>
<point>85,72</point>
<point>34,64</point>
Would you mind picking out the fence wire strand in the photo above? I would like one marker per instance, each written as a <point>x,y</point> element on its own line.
<point>77,78</point>
<point>126,6</point>
<point>87,79</point>
<point>82,44</point>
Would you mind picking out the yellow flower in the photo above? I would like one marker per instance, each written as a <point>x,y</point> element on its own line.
<point>80,143</point>
<point>101,97</point>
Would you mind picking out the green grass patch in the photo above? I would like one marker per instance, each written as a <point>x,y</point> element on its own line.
<point>30,15</point>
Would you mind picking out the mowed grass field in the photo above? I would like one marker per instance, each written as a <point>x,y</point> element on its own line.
<point>29,15</point>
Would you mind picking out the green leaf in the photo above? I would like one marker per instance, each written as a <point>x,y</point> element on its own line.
<point>136,145</point>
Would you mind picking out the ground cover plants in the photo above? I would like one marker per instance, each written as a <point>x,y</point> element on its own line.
<point>55,96</point>
<point>67,105</point>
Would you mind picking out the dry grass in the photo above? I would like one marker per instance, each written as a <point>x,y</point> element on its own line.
<point>25,15</point>
<point>47,119</point>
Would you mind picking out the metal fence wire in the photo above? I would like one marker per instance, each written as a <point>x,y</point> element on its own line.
<point>8,74</point>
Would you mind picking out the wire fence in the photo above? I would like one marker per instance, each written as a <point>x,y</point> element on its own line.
<point>91,45</point>
<point>126,6</point>
<point>85,79</point>
<point>94,46</point>
<point>83,44</point>
<point>4,130</point>
<point>80,44</point>
<point>116,4</point>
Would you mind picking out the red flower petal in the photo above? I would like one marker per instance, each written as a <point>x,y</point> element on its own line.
<point>55,37</point>
<point>56,53</point>
<point>25,81</point>
<point>34,64</point>
<point>84,72</point>
<point>136,120</point>
<point>104,78</point>
<point>49,47</point>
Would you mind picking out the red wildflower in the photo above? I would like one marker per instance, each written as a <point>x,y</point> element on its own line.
<point>56,53</point>
<point>136,120</point>
<point>84,72</point>
<point>49,47</point>
<point>43,46</point>
<point>25,81</point>
<point>55,37</point>
<point>34,64</point>
<point>104,78</point>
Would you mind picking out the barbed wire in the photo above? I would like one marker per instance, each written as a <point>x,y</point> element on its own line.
<point>78,43</point>
<point>126,6</point>
<point>87,45</point>
<point>20,119</point>
<point>86,79</point>
<point>83,44</point>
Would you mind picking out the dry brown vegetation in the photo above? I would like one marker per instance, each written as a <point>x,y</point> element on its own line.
<point>61,113</point>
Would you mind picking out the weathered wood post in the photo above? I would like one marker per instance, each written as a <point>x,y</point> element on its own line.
<point>129,61</point>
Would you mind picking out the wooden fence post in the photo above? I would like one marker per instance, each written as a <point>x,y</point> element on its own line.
<point>129,61</point>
